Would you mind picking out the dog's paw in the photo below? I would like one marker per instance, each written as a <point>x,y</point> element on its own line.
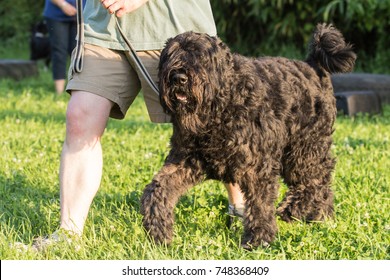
<point>289,213</point>
<point>158,237</point>
<point>260,239</point>
<point>250,246</point>
<point>285,214</point>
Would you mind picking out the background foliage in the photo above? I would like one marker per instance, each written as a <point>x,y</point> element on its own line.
<point>17,17</point>
<point>258,27</point>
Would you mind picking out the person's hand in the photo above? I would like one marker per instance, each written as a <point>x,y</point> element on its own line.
<point>68,9</point>
<point>121,7</point>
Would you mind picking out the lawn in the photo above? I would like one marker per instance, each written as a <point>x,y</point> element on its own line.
<point>32,121</point>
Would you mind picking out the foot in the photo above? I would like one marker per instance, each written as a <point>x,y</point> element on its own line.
<point>60,236</point>
<point>234,213</point>
<point>308,213</point>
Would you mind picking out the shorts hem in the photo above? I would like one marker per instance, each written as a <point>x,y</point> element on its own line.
<point>160,118</point>
<point>88,87</point>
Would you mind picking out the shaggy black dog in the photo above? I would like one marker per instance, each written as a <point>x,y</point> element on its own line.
<point>248,121</point>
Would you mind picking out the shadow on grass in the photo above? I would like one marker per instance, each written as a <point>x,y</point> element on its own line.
<point>41,117</point>
<point>26,208</point>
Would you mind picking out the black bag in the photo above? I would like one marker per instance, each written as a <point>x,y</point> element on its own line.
<point>40,43</point>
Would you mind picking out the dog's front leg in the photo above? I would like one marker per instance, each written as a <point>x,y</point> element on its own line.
<point>161,195</point>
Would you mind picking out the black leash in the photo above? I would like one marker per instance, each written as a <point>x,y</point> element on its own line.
<point>135,58</point>
<point>77,63</point>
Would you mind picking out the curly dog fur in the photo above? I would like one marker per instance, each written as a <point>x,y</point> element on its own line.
<point>248,121</point>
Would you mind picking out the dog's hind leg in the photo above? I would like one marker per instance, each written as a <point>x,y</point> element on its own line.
<point>161,195</point>
<point>259,222</point>
<point>308,174</point>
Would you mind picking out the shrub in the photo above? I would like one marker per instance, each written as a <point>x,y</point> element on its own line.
<point>262,26</point>
<point>256,27</point>
<point>17,17</point>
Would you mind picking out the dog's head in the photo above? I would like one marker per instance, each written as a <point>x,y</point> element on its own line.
<point>192,72</point>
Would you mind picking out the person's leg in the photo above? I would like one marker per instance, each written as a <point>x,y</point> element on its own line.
<point>72,30</point>
<point>236,208</point>
<point>96,95</point>
<point>69,42</point>
<point>81,158</point>
<point>94,98</point>
<point>59,38</point>
<point>59,85</point>
<point>235,196</point>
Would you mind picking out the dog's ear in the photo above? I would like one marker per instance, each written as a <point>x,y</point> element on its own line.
<point>165,49</point>
<point>222,58</point>
<point>166,52</point>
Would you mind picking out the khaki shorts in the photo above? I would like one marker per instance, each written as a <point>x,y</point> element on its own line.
<point>108,73</point>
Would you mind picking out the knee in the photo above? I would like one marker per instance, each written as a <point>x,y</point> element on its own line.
<point>78,130</point>
<point>86,119</point>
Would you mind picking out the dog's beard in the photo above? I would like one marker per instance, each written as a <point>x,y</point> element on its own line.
<point>184,104</point>
<point>182,100</point>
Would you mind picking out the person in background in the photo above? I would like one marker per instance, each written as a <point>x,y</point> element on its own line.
<point>60,17</point>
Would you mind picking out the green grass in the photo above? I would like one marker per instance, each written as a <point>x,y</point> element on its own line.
<point>32,121</point>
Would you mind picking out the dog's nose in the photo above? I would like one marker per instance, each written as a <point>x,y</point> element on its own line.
<point>180,79</point>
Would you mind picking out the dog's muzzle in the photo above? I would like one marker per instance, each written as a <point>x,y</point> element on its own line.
<point>179,81</point>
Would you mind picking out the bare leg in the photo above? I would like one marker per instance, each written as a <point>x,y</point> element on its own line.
<point>236,206</point>
<point>59,86</point>
<point>81,158</point>
<point>236,198</point>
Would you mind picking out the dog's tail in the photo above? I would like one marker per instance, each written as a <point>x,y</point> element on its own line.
<point>329,50</point>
